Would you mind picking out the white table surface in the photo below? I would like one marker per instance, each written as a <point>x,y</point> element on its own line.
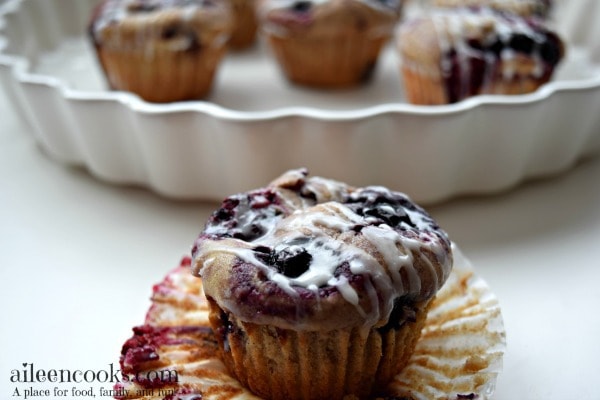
<point>79,257</point>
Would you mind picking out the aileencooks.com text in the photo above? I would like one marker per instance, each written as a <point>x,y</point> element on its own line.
<point>30,374</point>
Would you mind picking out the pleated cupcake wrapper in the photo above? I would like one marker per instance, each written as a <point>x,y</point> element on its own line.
<point>295,365</point>
<point>246,25</point>
<point>162,77</point>
<point>459,354</point>
<point>424,84</point>
<point>341,62</point>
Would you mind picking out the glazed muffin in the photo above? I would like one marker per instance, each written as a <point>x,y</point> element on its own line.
<point>449,55</point>
<point>161,50</point>
<point>245,24</point>
<point>524,8</point>
<point>317,289</point>
<point>328,43</point>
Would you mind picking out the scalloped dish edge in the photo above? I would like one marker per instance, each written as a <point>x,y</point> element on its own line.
<point>23,85</point>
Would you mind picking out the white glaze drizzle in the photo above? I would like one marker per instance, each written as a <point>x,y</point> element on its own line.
<point>451,26</point>
<point>523,7</point>
<point>317,229</point>
<point>115,11</point>
<point>288,4</point>
<point>389,7</point>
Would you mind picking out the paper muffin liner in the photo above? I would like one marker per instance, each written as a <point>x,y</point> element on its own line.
<point>424,85</point>
<point>245,27</point>
<point>458,356</point>
<point>278,363</point>
<point>164,76</point>
<point>342,61</point>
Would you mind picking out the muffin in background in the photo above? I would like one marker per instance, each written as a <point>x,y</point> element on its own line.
<point>245,24</point>
<point>318,290</point>
<point>526,8</point>
<point>328,43</point>
<point>161,50</point>
<point>451,54</point>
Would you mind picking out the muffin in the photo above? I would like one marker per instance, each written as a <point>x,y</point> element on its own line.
<point>161,50</point>
<point>174,354</point>
<point>316,289</point>
<point>245,24</point>
<point>449,55</point>
<point>328,43</point>
<point>524,8</point>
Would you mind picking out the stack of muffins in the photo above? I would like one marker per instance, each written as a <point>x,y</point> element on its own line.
<point>170,50</point>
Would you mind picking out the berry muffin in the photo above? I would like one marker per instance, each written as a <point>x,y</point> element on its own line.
<point>526,8</point>
<point>162,50</point>
<point>449,55</point>
<point>328,43</point>
<point>316,289</point>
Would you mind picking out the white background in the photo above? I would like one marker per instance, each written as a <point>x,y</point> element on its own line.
<point>79,257</point>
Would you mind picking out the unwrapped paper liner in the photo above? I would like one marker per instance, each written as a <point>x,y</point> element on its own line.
<point>459,354</point>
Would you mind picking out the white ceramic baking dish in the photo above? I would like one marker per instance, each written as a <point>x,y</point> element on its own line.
<point>255,125</point>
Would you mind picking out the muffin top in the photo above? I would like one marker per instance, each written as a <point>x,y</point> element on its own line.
<point>522,7</point>
<point>525,46</point>
<point>151,25</point>
<point>316,254</point>
<point>327,18</point>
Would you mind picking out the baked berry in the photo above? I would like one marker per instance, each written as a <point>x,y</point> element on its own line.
<point>404,311</point>
<point>380,205</point>
<point>301,6</point>
<point>550,50</point>
<point>246,217</point>
<point>496,47</point>
<point>475,44</point>
<point>521,43</point>
<point>292,261</point>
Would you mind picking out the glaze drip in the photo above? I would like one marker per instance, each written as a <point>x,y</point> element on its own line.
<point>373,18</point>
<point>369,246</point>
<point>172,24</point>
<point>479,43</point>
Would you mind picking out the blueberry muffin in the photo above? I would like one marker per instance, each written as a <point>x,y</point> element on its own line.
<point>328,43</point>
<point>316,289</point>
<point>449,55</point>
<point>161,50</point>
